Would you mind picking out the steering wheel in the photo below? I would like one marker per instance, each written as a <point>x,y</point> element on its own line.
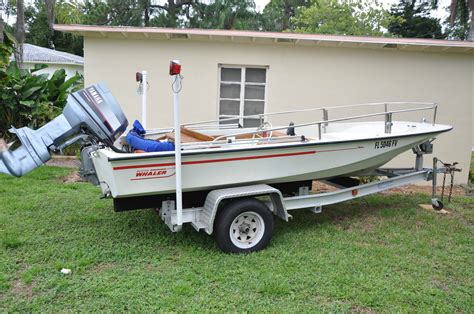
<point>264,134</point>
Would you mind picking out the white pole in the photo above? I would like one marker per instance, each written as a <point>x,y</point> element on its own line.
<point>176,83</point>
<point>144,90</point>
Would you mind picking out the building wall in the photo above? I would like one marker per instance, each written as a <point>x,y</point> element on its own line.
<point>70,69</point>
<point>297,77</point>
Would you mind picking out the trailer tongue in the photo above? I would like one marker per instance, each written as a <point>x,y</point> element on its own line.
<point>91,115</point>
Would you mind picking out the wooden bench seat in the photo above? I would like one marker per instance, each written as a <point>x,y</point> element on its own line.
<point>188,136</point>
<point>191,136</point>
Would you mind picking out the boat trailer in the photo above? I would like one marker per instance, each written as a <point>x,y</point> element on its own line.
<point>252,229</point>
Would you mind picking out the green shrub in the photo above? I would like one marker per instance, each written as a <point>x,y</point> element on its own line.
<point>27,99</point>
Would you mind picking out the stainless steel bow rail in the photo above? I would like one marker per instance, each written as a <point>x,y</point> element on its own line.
<point>321,125</point>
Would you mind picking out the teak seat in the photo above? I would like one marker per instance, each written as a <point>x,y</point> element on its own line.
<point>188,136</point>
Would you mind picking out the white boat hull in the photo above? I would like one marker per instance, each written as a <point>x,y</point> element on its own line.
<point>150,174</point>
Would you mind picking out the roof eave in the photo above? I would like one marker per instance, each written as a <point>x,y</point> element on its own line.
<point>269,38</point>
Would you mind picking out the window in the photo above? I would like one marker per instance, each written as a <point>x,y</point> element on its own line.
<point>242,93</point>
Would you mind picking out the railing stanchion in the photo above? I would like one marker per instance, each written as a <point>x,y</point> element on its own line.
<point>319,130</point>
<point>325,118</point>
<point>388,123</point>
<point>434,113</point>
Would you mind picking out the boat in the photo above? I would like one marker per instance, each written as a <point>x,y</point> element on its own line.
<point>216,154</point>
<point>225,176</point>
<point>231,157</point>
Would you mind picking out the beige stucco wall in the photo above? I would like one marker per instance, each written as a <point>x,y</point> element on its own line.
<point>71,69</point>
<point>298,77</point>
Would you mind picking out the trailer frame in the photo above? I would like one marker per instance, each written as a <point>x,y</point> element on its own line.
<point>204,218</point>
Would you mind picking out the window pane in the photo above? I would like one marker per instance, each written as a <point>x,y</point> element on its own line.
<point>229,107</point>
<point>255,75</point>
<point>230,75</point>
<point>251,123</point>
<point>254,92</point>
<point>230,91</point>
<point>253,107</point>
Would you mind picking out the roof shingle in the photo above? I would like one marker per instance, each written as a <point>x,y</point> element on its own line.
<point>36,54</point>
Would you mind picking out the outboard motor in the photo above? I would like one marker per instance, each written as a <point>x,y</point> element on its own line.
<point>91,115</point>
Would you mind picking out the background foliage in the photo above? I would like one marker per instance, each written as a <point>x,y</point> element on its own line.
<point>365,18</point>
<point>28,99</point>
<point>413,20</point>
<point>406,18</point>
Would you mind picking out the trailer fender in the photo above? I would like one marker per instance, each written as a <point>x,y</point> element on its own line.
<point>215,197</point>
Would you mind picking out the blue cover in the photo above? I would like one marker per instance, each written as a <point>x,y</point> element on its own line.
<point>136,141</point>
<point>137,127</point>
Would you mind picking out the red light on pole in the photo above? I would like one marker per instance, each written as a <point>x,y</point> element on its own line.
<point>138,77</point>
<point>175,68</point>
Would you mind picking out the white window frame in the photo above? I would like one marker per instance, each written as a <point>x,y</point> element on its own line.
<point>242,83</point>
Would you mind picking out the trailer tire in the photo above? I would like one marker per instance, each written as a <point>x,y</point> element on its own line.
<point>243,226</point>
<point>438,205</point>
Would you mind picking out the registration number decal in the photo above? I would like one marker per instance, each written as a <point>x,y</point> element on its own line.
<point>385,144</point>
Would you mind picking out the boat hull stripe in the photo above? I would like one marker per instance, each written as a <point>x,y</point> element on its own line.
<point>230,159</point>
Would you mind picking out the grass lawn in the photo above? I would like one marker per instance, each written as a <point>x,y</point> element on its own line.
<point>378,253</point>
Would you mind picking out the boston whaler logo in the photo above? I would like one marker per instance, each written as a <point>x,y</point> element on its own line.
<point>155,173</point>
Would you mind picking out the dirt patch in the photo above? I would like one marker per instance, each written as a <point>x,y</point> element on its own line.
<point>440,285</point>
<point>368,223</point>
<point>425,189</point>
<point>152,268</point>
<point>22,289</point>
<point>19,288</point>
<point>66,162</point>
<point>365,223</point>
<point>429,207</point>
<point>321,187</point>
<point>102,267</point>
<point>73,177</point>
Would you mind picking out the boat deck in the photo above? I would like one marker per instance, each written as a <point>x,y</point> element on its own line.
<point>243,138</point>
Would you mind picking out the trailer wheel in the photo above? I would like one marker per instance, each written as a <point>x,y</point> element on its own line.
<point>244,226</point>
<point>437,205</point>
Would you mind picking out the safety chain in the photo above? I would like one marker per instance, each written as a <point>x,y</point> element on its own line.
<point>451,169</point>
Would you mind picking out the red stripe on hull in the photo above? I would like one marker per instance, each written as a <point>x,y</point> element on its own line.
<point>230,159</point>
<point>213,160</point>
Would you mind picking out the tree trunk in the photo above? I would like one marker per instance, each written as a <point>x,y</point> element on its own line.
<point>471,24</point>
<point>50,12</point>
<point>453,10</point>
<point>20,31</point>
<point>146,18</point>
<point>286,15</point>
<point>146,13</point>
<point>172,13</point>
